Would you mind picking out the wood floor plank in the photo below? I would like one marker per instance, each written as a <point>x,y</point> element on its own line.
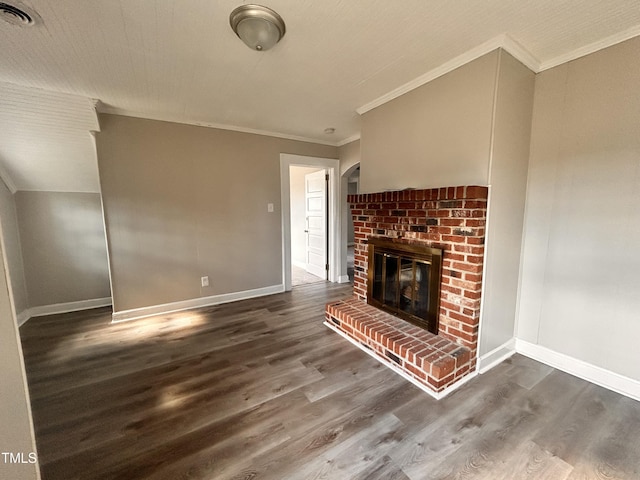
<point>615,451</point>
<point>355,454</point>
<point>262,390</point>
<point>524,373</point>
<point>484,455</point>
<point>528,460</point>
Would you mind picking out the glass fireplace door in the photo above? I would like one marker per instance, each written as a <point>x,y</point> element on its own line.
<point>405,283</point>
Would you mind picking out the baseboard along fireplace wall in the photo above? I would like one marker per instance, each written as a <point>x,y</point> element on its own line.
<point>451,220</point>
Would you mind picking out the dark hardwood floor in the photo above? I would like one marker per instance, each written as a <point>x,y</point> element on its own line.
<point>260,389</point>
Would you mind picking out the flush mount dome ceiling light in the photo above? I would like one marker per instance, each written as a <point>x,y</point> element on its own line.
<point>260,28</point>
<point>17,14</point>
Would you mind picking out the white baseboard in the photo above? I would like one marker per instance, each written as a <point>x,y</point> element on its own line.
<point>605,378</point>
<point>299,264</point>
<point>600,376</point>
<point>343,279</point>
<point>496,356</point>
<point>399,371</point>
<point>39,311</point>
<point>136,313</point>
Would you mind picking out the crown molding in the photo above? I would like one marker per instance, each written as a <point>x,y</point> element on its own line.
<point>520,53</point>
<point>102,108</point>
<point>504,41</point>
<point>97,107</point>
<point>592,48</point>
<point>347,140</point>
<point>511,46</point>
<point>501,41</point>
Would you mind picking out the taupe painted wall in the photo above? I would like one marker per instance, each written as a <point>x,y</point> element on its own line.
<point>15,415</point>
<point>436,135</point>
<point>508,181</point>
<point>13,249</point>
<point>298,213</point>
<point>580,282</point>
<point>63,247</point>
<point>183,201</point>
<point>349,155</point>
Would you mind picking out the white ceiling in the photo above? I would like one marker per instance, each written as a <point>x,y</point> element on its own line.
<point>45,140</point>
<point>180,61</point>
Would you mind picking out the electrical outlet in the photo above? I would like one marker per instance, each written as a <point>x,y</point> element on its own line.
<point>270,207</point>
<point>204,281</point>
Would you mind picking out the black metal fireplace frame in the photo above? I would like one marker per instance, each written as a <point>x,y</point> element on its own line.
<point>417,253</point>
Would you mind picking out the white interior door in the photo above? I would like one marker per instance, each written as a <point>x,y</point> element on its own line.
<point>316,215</point>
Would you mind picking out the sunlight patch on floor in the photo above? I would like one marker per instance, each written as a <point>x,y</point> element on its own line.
<point>133,331</point>
<point>170,399</point>
<point>158,324</point>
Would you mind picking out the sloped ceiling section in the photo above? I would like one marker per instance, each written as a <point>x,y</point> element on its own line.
<point>45,140</point>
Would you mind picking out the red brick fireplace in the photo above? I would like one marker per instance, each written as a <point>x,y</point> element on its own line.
<point>451,219</point>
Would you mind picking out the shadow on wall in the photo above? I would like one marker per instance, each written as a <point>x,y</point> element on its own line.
<point>63,247</point>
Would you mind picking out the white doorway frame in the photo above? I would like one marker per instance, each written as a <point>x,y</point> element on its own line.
<point>334,232</point>
<point>346,213</point>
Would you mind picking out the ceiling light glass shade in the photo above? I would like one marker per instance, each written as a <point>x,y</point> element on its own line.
<point>260,28</point>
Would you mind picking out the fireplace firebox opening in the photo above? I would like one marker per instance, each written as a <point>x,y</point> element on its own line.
<point>404,280</point>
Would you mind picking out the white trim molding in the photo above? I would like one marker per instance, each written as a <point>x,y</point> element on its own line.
<point>496,356</point>
<point>519,52</point>
<point>56,308</point>
<point>102,108</point>
<point>591,48</point>
<point>502,41</point>
<point>511,46</point>
<point>591,373</point>
<point>587,371</point>
<point>22,317</point>
<point>399,371</point>
<point>347,140</point>
<point>165,308</point>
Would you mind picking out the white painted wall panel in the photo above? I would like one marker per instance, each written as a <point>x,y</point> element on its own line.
<point>15,411</point>
<point>508,180</point>
<point>63,246</point>
<point>435,136</point>
<point>580,282</point>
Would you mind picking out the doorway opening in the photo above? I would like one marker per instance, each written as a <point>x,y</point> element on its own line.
<point>309,242</point>
<point>322,239</point>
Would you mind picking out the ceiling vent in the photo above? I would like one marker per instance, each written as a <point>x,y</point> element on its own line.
<point>17,15</point>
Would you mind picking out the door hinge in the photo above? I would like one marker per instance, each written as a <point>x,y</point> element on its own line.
<point>326,177</point>
<point>326,267</point>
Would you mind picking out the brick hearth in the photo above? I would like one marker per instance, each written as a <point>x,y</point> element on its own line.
<point>429,359</point>
<point>452,219</point>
